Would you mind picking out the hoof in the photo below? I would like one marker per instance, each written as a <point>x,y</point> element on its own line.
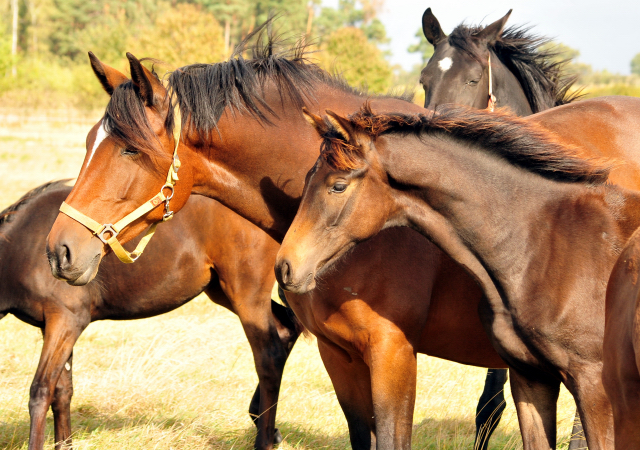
<point>277,437</point>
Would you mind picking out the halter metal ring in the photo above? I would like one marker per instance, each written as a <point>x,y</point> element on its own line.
<point>107,227</point>
<point>167,186</point>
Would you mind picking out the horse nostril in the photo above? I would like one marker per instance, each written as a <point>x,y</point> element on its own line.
<point>285,273</point>
<point>64,257</point>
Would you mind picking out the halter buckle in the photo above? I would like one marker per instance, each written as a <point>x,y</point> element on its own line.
<point>107,227</point>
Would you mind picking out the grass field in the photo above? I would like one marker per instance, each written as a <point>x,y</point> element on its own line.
<point>184,380</point>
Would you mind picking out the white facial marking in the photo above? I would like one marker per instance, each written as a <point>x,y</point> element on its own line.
<point>67,366</point>
<point>445,64</point>
<point>100,135</point>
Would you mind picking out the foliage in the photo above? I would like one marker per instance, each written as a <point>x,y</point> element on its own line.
<point>422,47</point>
<point>635,64</point>
<point>54,37</point>
<point>353,13</point>
<point>348,52</point>
<point>181,35</point>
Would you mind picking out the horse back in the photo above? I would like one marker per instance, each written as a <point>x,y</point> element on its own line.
<point>603,128</point>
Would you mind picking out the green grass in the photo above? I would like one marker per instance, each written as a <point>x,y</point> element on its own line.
<point>184,380</point>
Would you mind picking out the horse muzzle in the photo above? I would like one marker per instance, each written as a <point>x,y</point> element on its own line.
<point>73,257</point>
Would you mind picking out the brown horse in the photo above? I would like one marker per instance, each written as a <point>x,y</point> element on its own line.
<point>531,221</point>
<point>238,118</point>
<point>208,248</point>
<point>485,67</point>
<point>621,362</point>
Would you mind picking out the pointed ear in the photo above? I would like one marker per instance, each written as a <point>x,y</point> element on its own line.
<point>148,86</point>
<point>431,28</point>
<point>491,32</point>
<point>315,121</point>
<point>342,126</point>
<point>109,77</point>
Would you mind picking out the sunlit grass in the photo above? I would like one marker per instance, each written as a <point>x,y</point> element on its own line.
<point>184,380</point>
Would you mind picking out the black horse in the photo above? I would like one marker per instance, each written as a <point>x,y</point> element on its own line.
<point>487,67</point>
<point>206,249</point>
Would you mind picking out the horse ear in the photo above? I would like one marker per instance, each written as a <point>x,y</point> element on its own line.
<point>342,125</point>
<point>315,121</point>
<point>109,77</point>
<point>491,32</point>
<point>149,87</point>
<point>431,28</point>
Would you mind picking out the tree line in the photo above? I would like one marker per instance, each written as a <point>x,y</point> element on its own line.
<point>44,43</point>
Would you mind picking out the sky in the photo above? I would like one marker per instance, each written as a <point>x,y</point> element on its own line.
<point>607,33</point>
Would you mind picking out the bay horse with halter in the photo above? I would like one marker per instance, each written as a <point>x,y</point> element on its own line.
<point>489,67</point>
<point>206,249</point>
<point>236,145</point>
<point>534,223</point>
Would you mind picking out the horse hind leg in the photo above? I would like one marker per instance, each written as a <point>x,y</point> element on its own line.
<point>288,331</point>
<point>535,400</point>
<point>61,406</point>
<point>490,407</point>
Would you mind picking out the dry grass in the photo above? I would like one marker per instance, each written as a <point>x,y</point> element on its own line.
<point>184,380</point>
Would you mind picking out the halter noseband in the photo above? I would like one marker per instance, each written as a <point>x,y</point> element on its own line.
<point>114,229</point>
<point>492,98</point>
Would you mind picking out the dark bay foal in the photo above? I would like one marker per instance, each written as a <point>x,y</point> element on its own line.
<point>207,249</point>
<point>535,225</point>
<point>488,67</point>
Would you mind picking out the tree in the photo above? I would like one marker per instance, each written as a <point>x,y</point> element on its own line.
<point>635,64</point>
<point>353,13</point>
<point>349,52</point>
<point>182,35</point>
<point>423,47</point>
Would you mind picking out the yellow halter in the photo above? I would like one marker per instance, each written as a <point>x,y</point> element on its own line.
<point>114,229</point>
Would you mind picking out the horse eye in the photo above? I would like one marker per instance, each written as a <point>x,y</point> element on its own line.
<point>339,187</point>
<point>473,82</point>
<point>129,152</point>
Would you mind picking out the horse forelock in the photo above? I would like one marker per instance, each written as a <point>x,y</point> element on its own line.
<point>539,72</point>
<point>515,139</point>
<point>125,120</point>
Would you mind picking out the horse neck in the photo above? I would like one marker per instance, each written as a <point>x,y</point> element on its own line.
<point>258,170</point>
<point>507,89</point>
<point>500,221</point>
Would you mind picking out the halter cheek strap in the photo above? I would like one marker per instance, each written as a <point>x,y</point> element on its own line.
<point>112,230</point>
<point>491,106</point>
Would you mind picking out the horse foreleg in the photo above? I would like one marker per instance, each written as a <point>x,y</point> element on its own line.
<point>270,346</point>
<point>351,380</point>
<point>594,408</point>
<point>490,407</point>
<point>61,332</point>
<point>61,406</point>
<point>535,401</point>
<point>393,365</point>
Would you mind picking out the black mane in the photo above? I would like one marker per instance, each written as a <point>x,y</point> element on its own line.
<point>515,139</point>
<point>204,91</point>
<point>538,71</point>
